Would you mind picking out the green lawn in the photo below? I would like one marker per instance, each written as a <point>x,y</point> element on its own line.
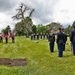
<point>40,60</point>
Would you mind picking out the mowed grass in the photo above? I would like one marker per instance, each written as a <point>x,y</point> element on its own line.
<point>40,60</point>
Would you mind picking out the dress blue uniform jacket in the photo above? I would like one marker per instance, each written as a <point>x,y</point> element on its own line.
<point>72,35</point>
<point>60,38</point>
<point>51,38</point>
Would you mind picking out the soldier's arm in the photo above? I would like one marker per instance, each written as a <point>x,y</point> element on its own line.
<point>71,36</point>
<point>57,38</point>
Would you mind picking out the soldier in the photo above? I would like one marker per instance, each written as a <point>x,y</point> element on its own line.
<point>34,36</point>
<point>1,39</point>
<point>2,36</point>
<point>31,36</point>
<point>60,42</point>
<point>41,35</point>
<point>13,37</point>
<point>47,34</point>
<point>65,39</point>
<point>37,36</point>
<point>51,40</point>
<point>72,39</point>
<point>6,38</point>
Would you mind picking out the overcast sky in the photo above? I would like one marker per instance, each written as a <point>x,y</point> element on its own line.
<point>46,11</point>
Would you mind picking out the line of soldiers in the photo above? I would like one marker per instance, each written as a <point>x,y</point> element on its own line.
<point>37,36</point>
<point>7,36</point>
<point>61,41</point>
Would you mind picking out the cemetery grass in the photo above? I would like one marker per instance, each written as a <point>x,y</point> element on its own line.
<point>39,59</point>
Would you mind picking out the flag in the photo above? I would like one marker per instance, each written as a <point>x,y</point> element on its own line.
<point>8,35</point>
<point>14,33</point>
<point>2,35</point>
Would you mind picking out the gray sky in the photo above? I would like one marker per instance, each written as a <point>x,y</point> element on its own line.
<point>46,11</point>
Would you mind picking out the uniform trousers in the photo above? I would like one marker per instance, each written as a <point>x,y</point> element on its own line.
<point>60,50</point>
<point>73,45</point>
<point>51,46</point>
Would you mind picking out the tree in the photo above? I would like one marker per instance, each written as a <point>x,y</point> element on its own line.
<point>68,29</point>
<point>54,26</point>
<point>6,30</point>
<point>26,21</point>
<point>20,30</point>
<point>41,28</point>
<point>34,29</point>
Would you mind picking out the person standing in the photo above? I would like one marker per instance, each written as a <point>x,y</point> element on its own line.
<point>13,37</point>
<point>1,39</point>
<point>6,38</point>
<point>2,36</point>
<point>60,42</point>
<point>41,35</point>
<point>51,40</point>
<point>72,39</point>
<point>32,36</point>
<point>65,36</point>
<point>37,36</point>
<point>47,34</point>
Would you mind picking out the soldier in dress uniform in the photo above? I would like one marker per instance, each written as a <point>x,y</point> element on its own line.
<point>65,35</point>
<point>41,35</point>
<point>37,36</point>
<point>6,38</point>
<point>1,39</point>
<point>13,38</point>
<point>60,42</point>
<point>47,34</point>
<point>31,36</point>
<point>34,36</point>
<point>72,39</point>
<point>51,40</point>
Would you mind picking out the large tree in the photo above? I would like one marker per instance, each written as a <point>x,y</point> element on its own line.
<point>26,20</point>
<point>54,26</point>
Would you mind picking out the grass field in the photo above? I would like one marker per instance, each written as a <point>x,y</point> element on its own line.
<point>40,60</point>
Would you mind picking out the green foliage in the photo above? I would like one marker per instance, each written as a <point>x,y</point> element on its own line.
<point>68,29</point>
<point>20,27</point>
<point>41,28</point>
<point>34,29</point>
<point>27,19</point>
<point>6,30</point>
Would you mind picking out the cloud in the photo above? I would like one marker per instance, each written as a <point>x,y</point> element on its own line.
<point>65,12</point>
<point>5,20</point>
<point>43,10</point>
<point>46,11</point>
<point>6,5</point>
